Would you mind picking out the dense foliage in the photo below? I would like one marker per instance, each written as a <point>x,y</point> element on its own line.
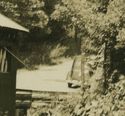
<point>91,23</point>
<point>88,22</point>
<point>92,18</point>
<point>29,13</point>
<point>96,20</point>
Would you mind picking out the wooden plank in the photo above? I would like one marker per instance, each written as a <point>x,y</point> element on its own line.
<point>0,57</point>
<point>6,66</point>
<point>23,104</point>
<point>3,61</point>
<point>23,96</point>
<point>15,57</point>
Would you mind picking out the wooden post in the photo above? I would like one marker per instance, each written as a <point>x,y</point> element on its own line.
<point>77,41</point>
<point>0,57</point>
<point>83,60</point>
<point>3,60</point>
<point>13,82</point>
<point>20,112</point>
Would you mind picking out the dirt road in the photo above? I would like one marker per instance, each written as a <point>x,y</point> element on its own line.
<point>46,78</point>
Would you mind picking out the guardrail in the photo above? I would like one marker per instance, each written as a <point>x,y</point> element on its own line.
<point>23,101</point>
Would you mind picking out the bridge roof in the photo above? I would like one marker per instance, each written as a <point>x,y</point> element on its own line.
<point>7,22</point>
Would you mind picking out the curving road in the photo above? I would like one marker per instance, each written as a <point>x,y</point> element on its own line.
<point>46,78</point>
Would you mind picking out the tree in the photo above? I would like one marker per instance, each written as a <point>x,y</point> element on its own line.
<point>29,14</point>
<point>96,22</point>
<point>81,15</point>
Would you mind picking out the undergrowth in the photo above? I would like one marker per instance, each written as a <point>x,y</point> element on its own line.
<point>35,54</point>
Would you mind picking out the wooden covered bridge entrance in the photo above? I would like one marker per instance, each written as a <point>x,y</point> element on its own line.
<point>8,66</point>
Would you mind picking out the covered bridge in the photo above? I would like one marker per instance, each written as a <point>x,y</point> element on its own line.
<point>8,67</point>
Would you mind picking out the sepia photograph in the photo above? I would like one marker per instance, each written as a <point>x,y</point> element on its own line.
<point>62,57</point>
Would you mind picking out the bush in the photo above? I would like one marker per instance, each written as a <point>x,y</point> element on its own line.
<point>57,51</point>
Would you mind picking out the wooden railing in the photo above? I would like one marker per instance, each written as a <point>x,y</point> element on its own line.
<point>3,61</point>
<point>23,102</point>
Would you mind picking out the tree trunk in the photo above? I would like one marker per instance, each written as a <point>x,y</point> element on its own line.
<point>77,41</point>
